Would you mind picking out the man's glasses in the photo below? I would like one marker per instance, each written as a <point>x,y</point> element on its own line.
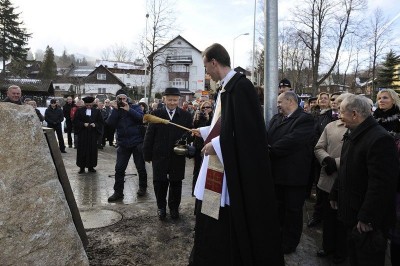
<point>205,107</point>
<point>333,99</point>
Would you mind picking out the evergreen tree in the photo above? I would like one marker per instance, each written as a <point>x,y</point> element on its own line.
<point>18,68</point>
<point>386,74</point>
<point>13,37</point>
<point>49,67</point>
<point>64,60</point>
<point>82,62</point>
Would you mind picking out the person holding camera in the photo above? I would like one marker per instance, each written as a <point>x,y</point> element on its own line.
<point>158,148</point>
<point>127,119</point>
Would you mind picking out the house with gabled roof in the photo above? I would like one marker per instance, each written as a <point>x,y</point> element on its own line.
<point>179,64</point>
<point>132,74</point>
<point>101,81</point>
<point>84,80</point>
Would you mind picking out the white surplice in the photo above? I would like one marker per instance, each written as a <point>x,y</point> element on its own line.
<point>201,180</point>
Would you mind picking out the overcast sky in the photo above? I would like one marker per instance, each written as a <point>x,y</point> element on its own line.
<point>89,27</point>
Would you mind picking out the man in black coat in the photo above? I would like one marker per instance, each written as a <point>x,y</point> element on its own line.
<point>290,139</point>
<point>54,117</point>
<point>87,125</point>
<point>158,148</point>
<point>238,225</point>
<point>364,192</point>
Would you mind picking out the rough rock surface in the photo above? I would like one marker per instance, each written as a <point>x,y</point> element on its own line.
<point>36,226</point>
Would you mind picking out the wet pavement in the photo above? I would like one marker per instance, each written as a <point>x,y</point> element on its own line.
<point>91,191</point>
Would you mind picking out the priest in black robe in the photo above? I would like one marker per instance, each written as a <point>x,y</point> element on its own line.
<point>241,227</point>
<point>88,123</point>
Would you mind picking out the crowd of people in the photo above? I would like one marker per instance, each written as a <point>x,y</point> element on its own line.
<point>342,146</point>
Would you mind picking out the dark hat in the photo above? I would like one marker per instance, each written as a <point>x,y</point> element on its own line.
<point>120,92</point>
<point>285,83</point>
<point>88,99</point>
<point>53,101</point>
<point>172,91</point>
<point>312,99</point>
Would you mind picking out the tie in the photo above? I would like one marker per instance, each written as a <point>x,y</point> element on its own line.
<point>170,112</point>
<point>335,116</point>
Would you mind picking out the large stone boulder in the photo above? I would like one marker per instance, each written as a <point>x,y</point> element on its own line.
<point>36,226</point>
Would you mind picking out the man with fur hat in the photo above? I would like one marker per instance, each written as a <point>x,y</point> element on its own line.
<point>87,125</point>
<point>127,119</point>
<point>158,148</point>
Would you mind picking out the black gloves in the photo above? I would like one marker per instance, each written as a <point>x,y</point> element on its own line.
<point>330,165</point>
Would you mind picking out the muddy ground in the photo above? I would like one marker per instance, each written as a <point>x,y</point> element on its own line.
<point>141,239</point>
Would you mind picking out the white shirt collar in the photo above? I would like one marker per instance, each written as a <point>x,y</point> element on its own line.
<point>227,78</point>
<point>169,113</point>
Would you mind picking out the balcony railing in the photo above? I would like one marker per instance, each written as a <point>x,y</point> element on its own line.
<point>185,60</point>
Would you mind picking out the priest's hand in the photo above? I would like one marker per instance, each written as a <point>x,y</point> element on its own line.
<point>208,149</point>
<point>86,124</point>
<point>196,132</point>
<point>93,125</point>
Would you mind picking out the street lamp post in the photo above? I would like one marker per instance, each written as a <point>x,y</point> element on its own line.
<point>145,60</point>
<point>233,54</point>
<point>254,43</point>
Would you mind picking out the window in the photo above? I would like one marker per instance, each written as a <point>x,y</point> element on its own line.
<point>178,83</point>
<point>101,76</point>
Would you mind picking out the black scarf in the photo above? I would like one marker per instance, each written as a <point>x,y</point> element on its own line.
<point>389,119</point>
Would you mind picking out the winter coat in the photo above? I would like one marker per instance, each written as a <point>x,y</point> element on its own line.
<point>67,110</point>
<point>291,147</point>
<point>366,185</point>
<point>8,100</point>
<point>53,116</point>
<point>329,144</point>
<point>159,143</point>
<point>321,121</point>
<point>127,124</point>
<point>390,119</point>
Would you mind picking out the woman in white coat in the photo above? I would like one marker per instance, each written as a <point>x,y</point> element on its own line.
<point>327,152</point>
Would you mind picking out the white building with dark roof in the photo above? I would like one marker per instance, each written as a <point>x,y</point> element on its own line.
<point>179,64</point>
